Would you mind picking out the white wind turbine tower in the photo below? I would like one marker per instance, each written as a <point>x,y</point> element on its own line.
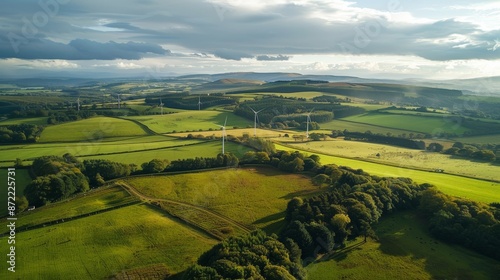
<point>308,121</point>
<point>119,105</point>
<point>199,103</point>
<point>255,120</point>
<point>78,104</point>
<point>161,106</point>
<point>223,134</point>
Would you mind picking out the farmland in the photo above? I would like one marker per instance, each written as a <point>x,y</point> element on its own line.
<point>191,121</point>
<point>404,245</point>
<point>402,157</point>
<point>341,124</point>
<point>105,244</point>
<point>423,124</point>
<point>255,196</point>
<point>473,189</point>
<point>91,129</point>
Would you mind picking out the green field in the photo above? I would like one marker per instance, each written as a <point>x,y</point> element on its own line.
<point>254,196</point>
<point>402,157</point>
<point>405,251</point>
<point>361,127</point>
<point>207,149</point>
<point>191,121</point>
<point>22,179</point>
<point>92,201</point>
<point>431,125</point>
<point>487,139</point>
<point>105,244</point>
<point>91,129</point>
<point>89,148</point>
<point>474,189</point>
<point>38,121</point>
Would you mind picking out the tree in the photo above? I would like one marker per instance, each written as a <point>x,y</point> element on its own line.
<point>435,147</point>
<point>339,224</point>
<point>21,204</point>
<point>155,166</point>
<point>321,179</point>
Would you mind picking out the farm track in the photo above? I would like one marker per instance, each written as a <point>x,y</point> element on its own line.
<point>151,200</point>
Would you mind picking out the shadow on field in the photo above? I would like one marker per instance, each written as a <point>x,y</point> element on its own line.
<point>270,218</point>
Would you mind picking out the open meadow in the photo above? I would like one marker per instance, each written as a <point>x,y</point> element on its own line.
<point>422,124</point>
<point>402,157</point>
<point>91,129</point>
<point>191,121</point>
<point>103,245</point>
<point>474,189</point>
<point>253,196</point>
<point>405,250</point>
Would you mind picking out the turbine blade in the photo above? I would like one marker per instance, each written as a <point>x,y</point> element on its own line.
<point>225,122</point>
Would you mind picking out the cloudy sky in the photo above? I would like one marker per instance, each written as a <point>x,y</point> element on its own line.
<point>443,39</point>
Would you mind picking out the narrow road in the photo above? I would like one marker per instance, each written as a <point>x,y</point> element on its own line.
<point>148,199</point>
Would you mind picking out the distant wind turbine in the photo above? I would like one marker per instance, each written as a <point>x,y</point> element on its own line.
<point>199,103</point>
<point>78,104</point>
<point>256,118</point>
<point>223,134</point>
<point>119,105</point>
<point>308,121</point>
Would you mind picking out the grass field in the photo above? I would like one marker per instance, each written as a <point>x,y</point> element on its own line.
<point>119,146</point>
<point>405,251</point>
<point>431,125</point>
<point>487,139</point>
<point>22,180</point>
<point>208,149</point>
<point>474,189</point>
<point>191,121</point>
<point>361,127</point>
<point>262,133</point>
<point>37,121</point>
<point>95,200</point>
<point>253,196</point>
<point>403,157</point>
<point>91,129</point>
<point>102,245</point>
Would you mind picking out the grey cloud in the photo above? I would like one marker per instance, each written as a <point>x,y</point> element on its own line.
<point>78,49</point>
<point>272,58</point>
<point>231,54</point>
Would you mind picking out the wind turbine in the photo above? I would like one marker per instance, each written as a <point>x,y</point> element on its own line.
<point>223,134</point>
<point>78,104</point>
<point>308,121</point>
<point>119,105</point>
<point>255,120</point>
<point>199,103</point>
<point>161,106</point>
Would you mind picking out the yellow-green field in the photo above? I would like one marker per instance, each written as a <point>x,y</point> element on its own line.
<point>402,157</point>
<point>37,121</point>
<point>91,129</point>
<point>405,251</point>
<point>255,196</point>
<point>105,244</point>
<point>191,121</point>
<point>474,189</point>
<point>361,127</point>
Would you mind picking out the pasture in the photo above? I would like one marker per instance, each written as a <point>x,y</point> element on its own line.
<point>114,146</point>
<point>37,121</point>
<point>422,124</point>
<point>474,189</point>
<point>341,124</point>
<point>486,139</point>
<point>253,196</point>
<point>105,244</point>
<point>91,129</point>
<point>95,200</point>
<point>405,250</point>
<point>402,157</point>
<point>22,180</point>
<point>206,149</point>
<point>191,121</point>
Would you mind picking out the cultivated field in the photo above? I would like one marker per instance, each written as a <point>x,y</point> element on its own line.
<point>105,244</point>
<point>405,251</point>
<point>341,124</point>
<point>191,121</point>
<point>474,189</point>
<point>91,129</point>
<point>105,148</point>
<point>253,196</point>
<point>402,157</point>
<point>431,125</point>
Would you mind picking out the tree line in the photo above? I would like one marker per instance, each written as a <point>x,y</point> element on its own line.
<point>20,134</point>
<point>385,139</point>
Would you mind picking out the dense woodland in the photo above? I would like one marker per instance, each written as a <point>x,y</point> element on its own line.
<point>19,134</point>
